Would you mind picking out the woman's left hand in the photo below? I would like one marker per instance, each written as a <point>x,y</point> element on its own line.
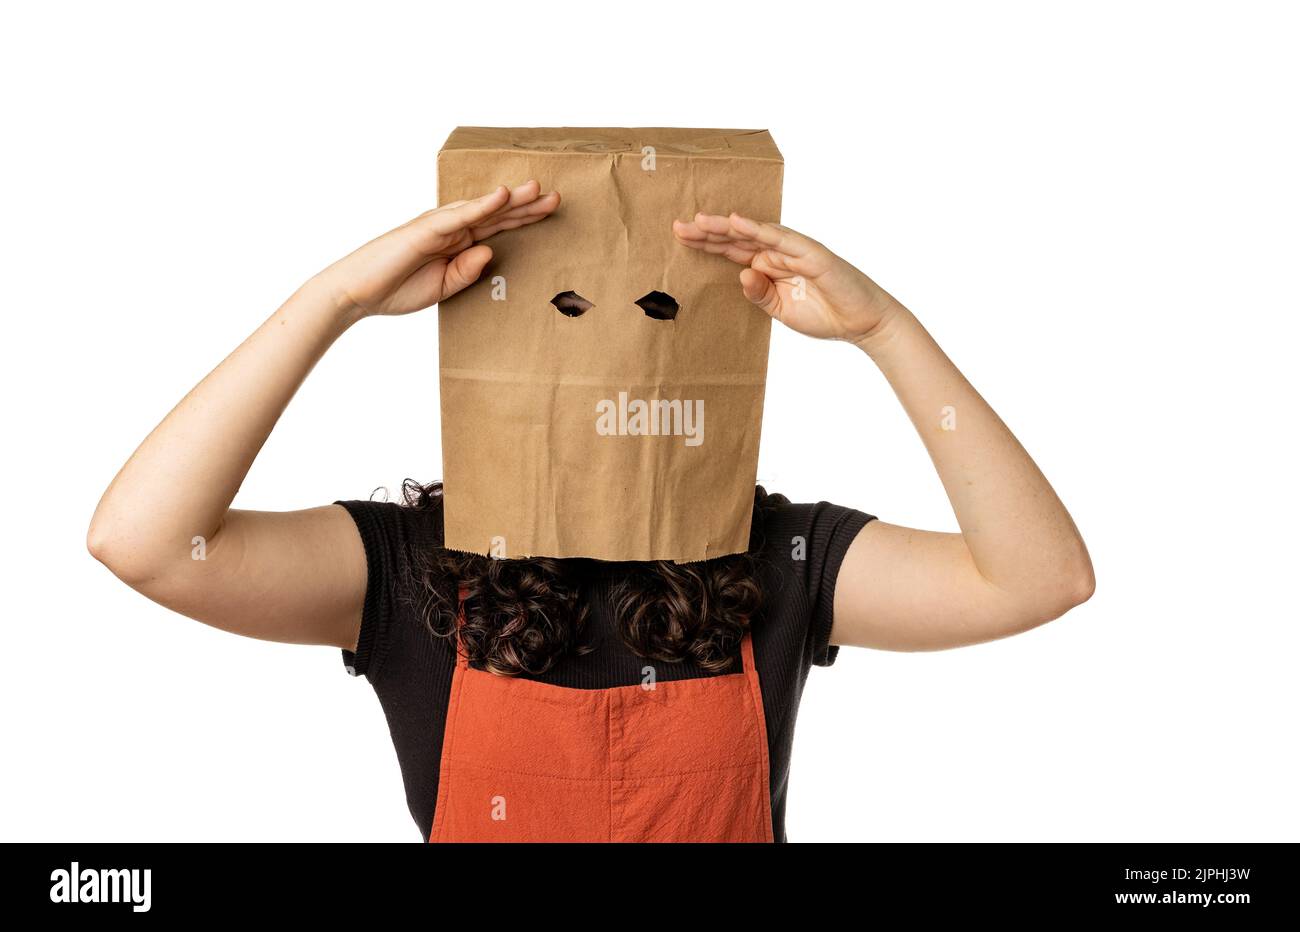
<point>795,279</point>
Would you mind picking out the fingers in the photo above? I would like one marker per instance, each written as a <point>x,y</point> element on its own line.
<point>741,243</point>
<point>772,235</point>
<point>461,215</point>
<point>713,230</point>
<point>690,234</point>
<point>708,229</point>
<point>479,217</point>
<point>513,217</point>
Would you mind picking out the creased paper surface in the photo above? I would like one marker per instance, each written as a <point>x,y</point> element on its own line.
<point>545,451</point>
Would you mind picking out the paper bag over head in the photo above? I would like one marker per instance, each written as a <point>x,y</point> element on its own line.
<point>602,384</point>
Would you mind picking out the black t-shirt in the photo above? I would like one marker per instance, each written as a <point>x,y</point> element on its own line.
<point>411,669</point>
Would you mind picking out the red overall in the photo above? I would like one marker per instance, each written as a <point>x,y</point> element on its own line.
<point>528,761</point>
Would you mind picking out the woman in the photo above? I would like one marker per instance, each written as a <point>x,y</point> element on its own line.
<point>668,691</point>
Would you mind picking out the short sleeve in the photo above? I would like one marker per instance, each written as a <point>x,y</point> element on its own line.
<point>813,539</point>
<point>393,537</point>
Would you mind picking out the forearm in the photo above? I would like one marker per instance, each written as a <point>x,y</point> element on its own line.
<point>180,482</point>
<point>1019,535</point>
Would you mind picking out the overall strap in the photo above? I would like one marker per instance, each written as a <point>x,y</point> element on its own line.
<point>747,654</point>
<point>760,715</point>
<point>462,658</point>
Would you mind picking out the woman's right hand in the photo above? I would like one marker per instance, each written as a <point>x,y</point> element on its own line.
<point>433,256</point>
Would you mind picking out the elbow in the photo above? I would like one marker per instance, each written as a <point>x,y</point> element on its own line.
<point>1078,581</point>
<point>1071,586</point>
<point>99,542</point>
<point>111,547</point>
<point>1072,593</point>
<point>1053,592</point>
<point>105,545</point>
<point>1083,585</point>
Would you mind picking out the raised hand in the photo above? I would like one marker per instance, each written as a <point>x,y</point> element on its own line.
<point>795,279</point>
<point>433,256</point>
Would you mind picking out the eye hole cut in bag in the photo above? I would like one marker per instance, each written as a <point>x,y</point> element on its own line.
<point>658,306</point>
<point>571,304</point>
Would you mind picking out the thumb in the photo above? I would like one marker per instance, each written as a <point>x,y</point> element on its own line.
<point>465,268</point>
<point>759,289</point>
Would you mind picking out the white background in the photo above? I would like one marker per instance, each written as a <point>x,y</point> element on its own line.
<point>1093,209</point>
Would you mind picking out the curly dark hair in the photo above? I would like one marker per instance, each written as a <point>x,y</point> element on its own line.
<point>522,616</point>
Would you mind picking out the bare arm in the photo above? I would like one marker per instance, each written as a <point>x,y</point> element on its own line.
<point>286,576</point>
<point>1019,560</point>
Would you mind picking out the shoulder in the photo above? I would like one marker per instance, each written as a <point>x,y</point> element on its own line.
<point>414,523</point>
<point>798,529</point>
<point>800,547</point>
<point>398,539</point>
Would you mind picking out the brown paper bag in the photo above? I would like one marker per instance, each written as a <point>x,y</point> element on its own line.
<point>602,385</point>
